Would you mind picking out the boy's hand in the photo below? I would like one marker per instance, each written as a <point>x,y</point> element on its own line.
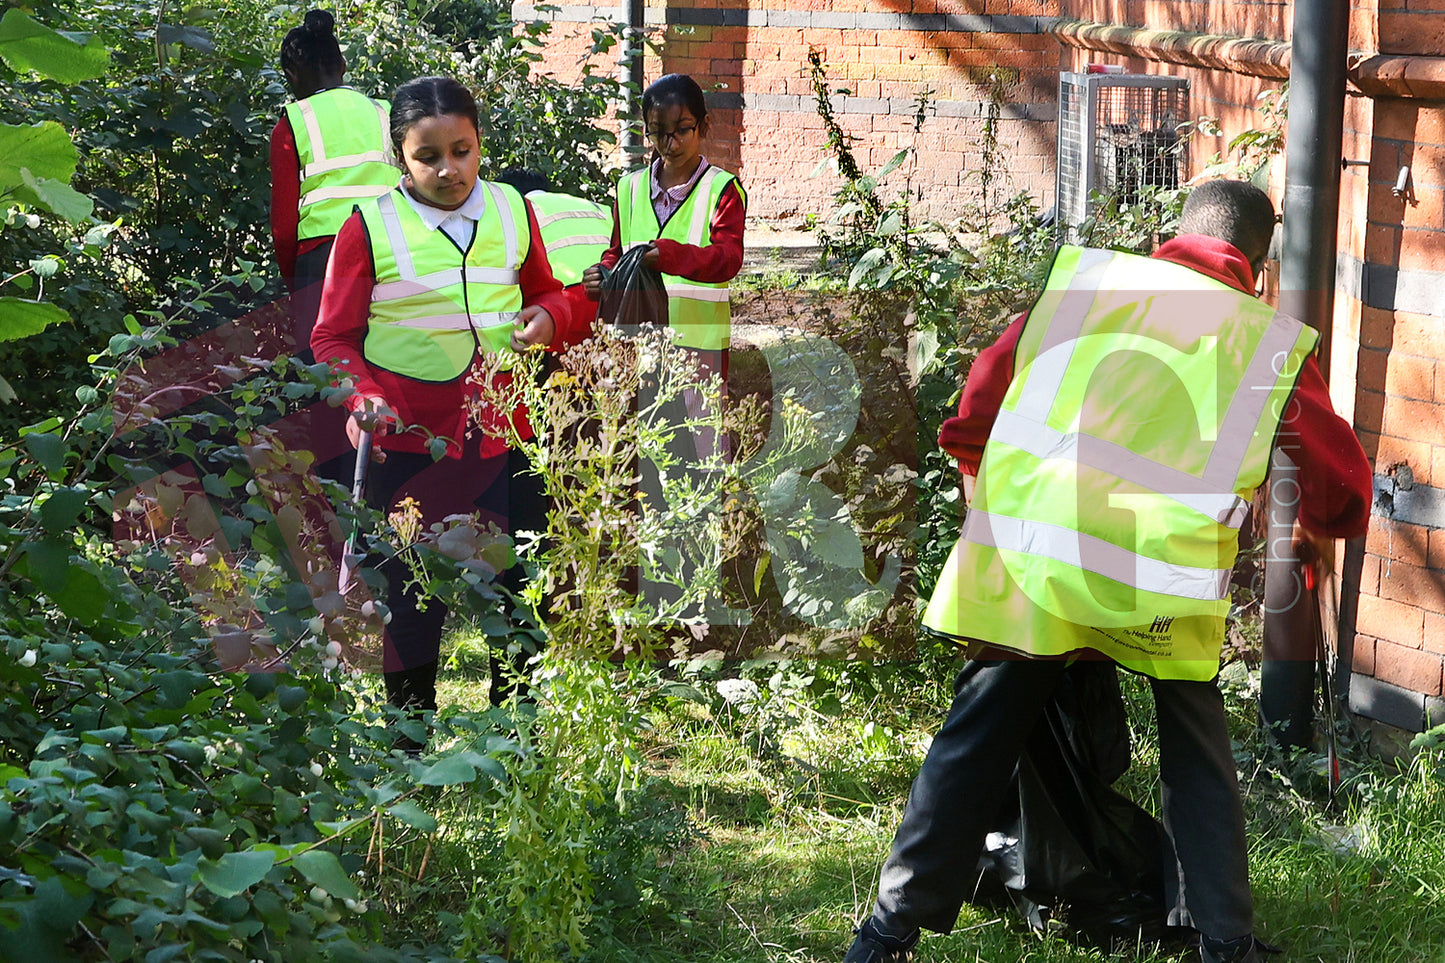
<point>1315,552</point>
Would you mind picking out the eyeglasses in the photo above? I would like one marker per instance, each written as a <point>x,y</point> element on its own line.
<point>677,133</point>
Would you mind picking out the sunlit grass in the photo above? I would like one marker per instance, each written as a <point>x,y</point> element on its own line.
<point>792,803</point>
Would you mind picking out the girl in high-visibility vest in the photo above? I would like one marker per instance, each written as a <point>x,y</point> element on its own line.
<point>689,213</point>
<point>421,282</point>
<point>330,150</point>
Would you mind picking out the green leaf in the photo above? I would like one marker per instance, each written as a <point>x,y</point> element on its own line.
<point>49,564</point>
<point>29,46</point>
<point>83,598</point>
<point>448,772</point>
<point>193,37</point>
<point>894,162</point>
<point>54,196</point>
<point>323,869</point>
<point>44,149</point>
<point>47,448</point>
<point>414,816</point>
<point>234,873</point>
<point>61,509</point>
<point>20,318</point>
<point>837,544</point>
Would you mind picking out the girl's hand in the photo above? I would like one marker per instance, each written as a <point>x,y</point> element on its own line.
<point>653,256</point>
<point>374,416</point>
<point>592,281</point>
<point>534,329</point>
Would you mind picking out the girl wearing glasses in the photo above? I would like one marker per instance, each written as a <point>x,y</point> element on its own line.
<point>689,214</point>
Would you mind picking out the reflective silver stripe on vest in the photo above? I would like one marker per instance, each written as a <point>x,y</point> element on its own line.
<point>697,230</point>
<point>1092,554</point>
<point>360,192</point>
<point>1046,374</point>
<point>509,225</point>
<point>396,237</point>
<point>341,163</point>
<point>1247,406</point>
<point>1041,441</point>
<point>323,163</point>
<point>577,239</point>
<point>696,292</point>
<point>547,220</point>
<point>396,290</point>
<point>461,322</point>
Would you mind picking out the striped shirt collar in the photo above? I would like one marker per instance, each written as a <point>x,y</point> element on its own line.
<point>666,201</point>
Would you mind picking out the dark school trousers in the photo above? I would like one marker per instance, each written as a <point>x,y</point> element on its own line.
<point>504,492</point>
<point>961,784</point>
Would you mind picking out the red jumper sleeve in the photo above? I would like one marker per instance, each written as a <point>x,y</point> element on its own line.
<point>722,259</point>
<point>614,247</point>
<point>1336,487</point>
<point>345,307</point>
<point>539,286</point>
<point>964,436</point>
<point>285,196</point>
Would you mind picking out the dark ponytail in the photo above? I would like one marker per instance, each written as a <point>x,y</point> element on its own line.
<point>426,97</point>
<point>311,49</point>
<point>675,89</point>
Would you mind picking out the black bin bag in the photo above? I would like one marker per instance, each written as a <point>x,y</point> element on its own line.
<point>633,295</point>
<point>1066,846</point>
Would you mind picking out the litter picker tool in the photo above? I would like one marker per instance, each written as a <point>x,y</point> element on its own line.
<point>352,555</point>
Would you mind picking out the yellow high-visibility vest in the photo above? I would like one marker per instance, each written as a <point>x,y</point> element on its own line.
<point>343,143</point>
<point>433,306</point>
<point>574,230</point>
<point>698,311</point>
<point>1143,408</point>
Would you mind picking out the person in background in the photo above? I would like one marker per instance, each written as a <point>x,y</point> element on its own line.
<point>690,215</point>
<point>422,281</point>
<point>1110,441</point>
<point>576,232</point>
<point>330,150</point>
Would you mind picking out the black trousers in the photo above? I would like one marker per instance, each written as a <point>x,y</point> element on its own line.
<point>964,776</point>
<point>504,492</point>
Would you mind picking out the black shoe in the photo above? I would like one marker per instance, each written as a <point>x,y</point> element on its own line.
<point>874,947</point>
<point>1245,949</point>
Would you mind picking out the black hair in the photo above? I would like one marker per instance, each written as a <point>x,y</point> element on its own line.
<point>311,49</point>
<point>426,97</point>
<point>675,89</point>
<point>524,180</point>
<point>1233,211</point>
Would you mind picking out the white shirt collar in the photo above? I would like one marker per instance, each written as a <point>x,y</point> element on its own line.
<point>434,217</point>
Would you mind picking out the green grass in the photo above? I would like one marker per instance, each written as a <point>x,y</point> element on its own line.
<point>790,805</point>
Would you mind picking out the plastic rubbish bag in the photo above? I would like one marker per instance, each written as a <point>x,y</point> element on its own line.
<point>1067,846</point>
<point>632,294</point>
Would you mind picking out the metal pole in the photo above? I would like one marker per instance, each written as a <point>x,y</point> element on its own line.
<point>632,75</point>
<point>1313,157</point>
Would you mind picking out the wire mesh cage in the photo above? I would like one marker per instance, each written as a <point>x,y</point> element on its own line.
<point>1118,136</point>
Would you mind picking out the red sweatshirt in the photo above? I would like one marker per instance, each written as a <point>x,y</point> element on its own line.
<point>286,200</point>
<point>440,408</point>
<point>1334,476</point>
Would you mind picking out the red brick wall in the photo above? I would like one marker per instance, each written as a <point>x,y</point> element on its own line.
<point>753,55</point>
